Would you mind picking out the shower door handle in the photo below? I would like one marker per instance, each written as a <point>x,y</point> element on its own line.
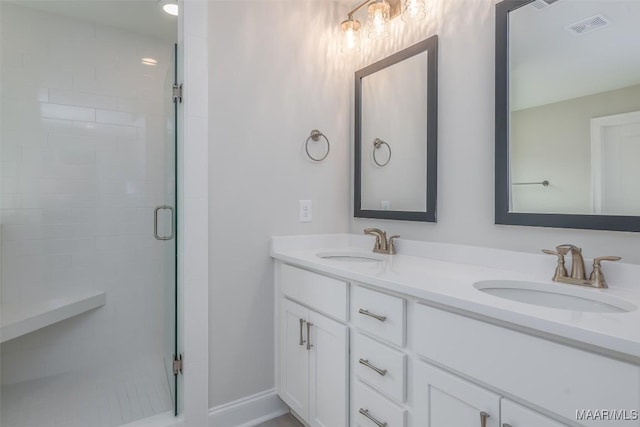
<point>155,222</point>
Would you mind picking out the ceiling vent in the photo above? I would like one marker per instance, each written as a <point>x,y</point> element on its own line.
<point>589,25</point>
<point>543,4</point>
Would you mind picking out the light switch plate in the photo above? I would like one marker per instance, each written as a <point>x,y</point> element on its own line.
<point>305,211</point>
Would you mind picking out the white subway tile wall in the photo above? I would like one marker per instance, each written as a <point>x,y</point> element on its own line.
<point>83,166</point>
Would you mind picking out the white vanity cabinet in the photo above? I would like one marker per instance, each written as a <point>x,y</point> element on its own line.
<point>445,400</point>
<point>380,366</point>
<point>370,409</point>
<point>378,362</point>
<point>359,353</point>
<point>313,359</point>
<point>514,415</point>
<point>379,314</point>
<point>549,375</point>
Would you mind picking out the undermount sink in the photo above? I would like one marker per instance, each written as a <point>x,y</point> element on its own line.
<point>555,296</point>
<point>351,257</point>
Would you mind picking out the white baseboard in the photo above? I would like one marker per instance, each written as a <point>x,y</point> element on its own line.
<point>248,411</point>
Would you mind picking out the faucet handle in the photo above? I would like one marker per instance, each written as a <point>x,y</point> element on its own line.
<point>561,270</point>
<point>392,246</point>
<point>596,261</point>
<point>597,277</point>
<point>559,254</point>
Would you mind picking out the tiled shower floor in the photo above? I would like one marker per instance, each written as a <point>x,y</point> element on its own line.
<point>87,399</point>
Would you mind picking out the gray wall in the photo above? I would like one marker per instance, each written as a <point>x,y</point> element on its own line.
<point>275,75</point>
<point>553,142</point>
<point>466,144</point>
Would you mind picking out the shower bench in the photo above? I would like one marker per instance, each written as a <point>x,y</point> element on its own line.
<point>21,319</point>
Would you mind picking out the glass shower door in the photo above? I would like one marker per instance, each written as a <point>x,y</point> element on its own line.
<point>165,231</point>
<point>87,138</point>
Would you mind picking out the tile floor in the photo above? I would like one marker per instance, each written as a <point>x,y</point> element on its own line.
<point>284,421</point>
<point>91,399</point>
<point>88,399</point>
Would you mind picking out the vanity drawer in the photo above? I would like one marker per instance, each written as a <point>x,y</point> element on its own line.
<point>322,293</point>
<point>376,406</point>
<point>553,376</point>
<point>369,355</point>
<point>379,314</point>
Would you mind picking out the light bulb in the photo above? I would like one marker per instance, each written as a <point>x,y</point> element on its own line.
<point>350,35</point>
<point>414,10</point>
<point>170,7</point>
<point>378,21</point>
<point>149,61</point>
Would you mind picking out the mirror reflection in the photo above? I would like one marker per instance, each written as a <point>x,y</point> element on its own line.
<point>396,135</point>
<point>574,107</point>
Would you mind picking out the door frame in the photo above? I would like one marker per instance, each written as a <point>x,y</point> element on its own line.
<point>598,128</point>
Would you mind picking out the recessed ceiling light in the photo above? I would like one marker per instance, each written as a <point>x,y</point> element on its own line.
<point>169,6</point>
<point>149,61</point>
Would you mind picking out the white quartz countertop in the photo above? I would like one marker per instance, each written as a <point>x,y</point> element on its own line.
<point>425,271</point>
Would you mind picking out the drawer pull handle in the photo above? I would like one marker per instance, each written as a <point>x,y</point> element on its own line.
<point>309,325</point>
<point>506,425</point>
<point>375,316</point>
<point>302,341</point>
<point>483,419</point>
<point>366,363</point>
<point>366,413</point>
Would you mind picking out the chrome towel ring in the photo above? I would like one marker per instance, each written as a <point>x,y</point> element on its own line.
<point>377,143</point>
<point>315,136</point>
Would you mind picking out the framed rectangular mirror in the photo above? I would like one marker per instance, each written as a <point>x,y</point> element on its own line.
<point>396,135</point>
<point>568,114</point>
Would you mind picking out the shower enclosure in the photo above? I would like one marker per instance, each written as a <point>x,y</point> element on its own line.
<point>88,139</point>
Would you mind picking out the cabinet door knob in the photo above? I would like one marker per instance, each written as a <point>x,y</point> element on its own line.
<point>375,316</point>
<point>309,325</point>
<point>366,413</point>
<point>483,419</point>
<point>302,322</point>
<point>366,363</point>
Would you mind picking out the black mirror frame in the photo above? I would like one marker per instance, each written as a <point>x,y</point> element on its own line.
<point>502,190</point>
<point>429,45</point>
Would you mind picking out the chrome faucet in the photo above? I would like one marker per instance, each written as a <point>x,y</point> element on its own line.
<point>382,245</point>
<point>577,262</point>
<point>578,274</point>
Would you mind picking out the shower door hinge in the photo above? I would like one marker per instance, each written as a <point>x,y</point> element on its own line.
<point>177,364</point>
<point>177,93</point>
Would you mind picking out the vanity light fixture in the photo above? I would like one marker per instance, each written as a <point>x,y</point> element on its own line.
<point>169,6</point>
<point>149,61</point>
<point>413,10</point>
<point>379,14</point>
<point>378,19</point>
<point>351,34</point>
